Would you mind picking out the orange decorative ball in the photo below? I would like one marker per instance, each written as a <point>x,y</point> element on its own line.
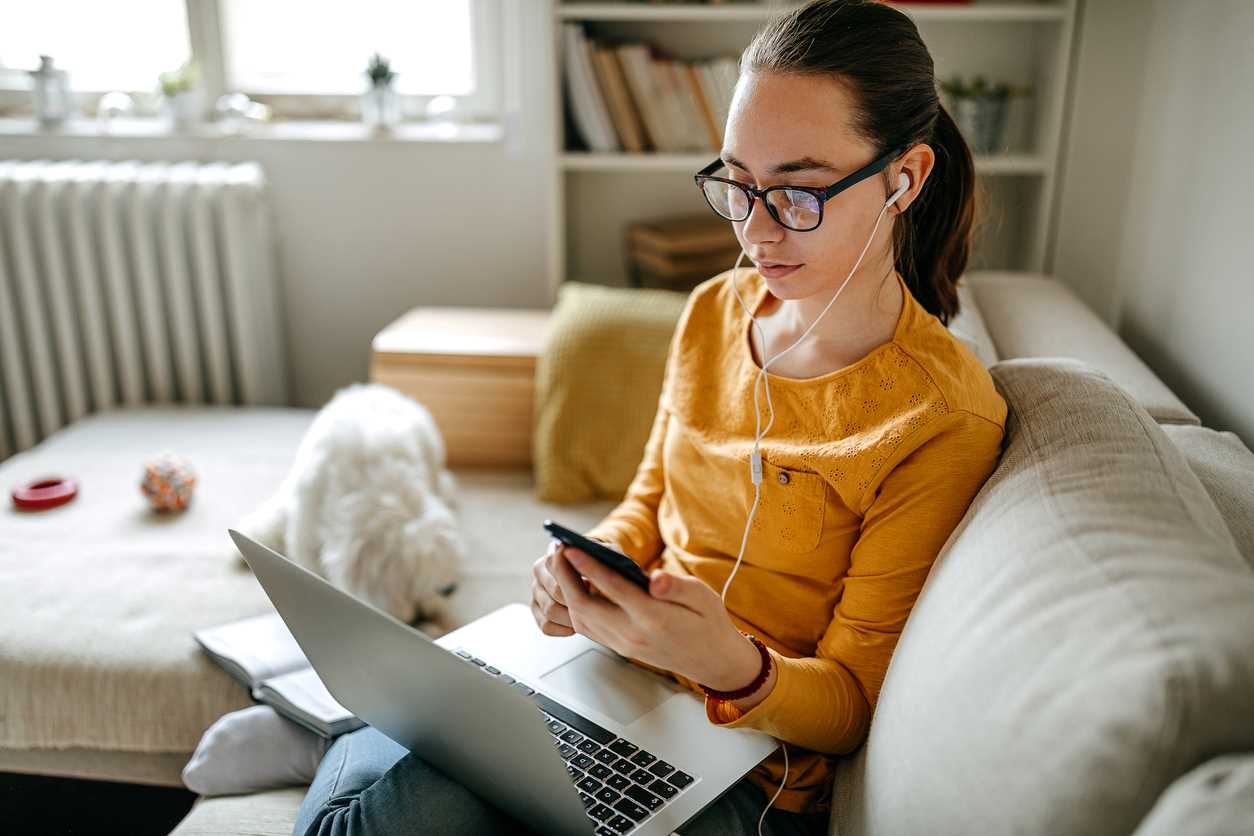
<point>168,482</point>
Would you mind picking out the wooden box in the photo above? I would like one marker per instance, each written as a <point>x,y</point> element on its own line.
<point>474,369</point>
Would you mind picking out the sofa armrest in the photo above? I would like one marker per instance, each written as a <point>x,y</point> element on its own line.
<point>1035,315</point>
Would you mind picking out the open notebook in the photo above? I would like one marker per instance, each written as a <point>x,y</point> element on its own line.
<point>262,654</point>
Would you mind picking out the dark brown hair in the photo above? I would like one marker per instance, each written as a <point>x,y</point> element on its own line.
<point>876,52</point>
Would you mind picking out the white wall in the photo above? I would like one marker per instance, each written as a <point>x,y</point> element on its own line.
<point>1156,227</point>
<point>369,229</point>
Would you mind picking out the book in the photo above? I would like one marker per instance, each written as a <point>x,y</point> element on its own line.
<point>263,656</point>
<point>623,108</point>
<point>588,107</point>
<point>684,235</point>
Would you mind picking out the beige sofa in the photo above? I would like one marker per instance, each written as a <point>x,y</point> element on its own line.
<point>1078,662</point>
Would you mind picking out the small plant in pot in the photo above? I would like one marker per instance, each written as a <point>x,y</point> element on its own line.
<point>181,95</point>
<point>380,104</point>
<point>980,110</point>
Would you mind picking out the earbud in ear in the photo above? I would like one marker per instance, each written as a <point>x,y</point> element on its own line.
<point>903,186</point>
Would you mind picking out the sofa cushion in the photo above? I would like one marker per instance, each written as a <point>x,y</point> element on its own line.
<point>597,386</point>
<point>1081,640</point>
<point>969,326</point>
<point>101,596</point>
<point>270,813</point>
<point>1035,315</point>
<point>1215,799</point>
<point>1226,467</point>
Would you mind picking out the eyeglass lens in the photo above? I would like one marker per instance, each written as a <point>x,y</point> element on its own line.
<point>793,208</point>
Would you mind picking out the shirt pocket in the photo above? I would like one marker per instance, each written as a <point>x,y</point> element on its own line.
<point>790,511</point>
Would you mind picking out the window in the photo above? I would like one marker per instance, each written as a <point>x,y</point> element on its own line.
<point>115,45</point>
<point>304,59</point>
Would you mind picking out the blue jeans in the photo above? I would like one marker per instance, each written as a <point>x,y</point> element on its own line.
<point>369,785</point>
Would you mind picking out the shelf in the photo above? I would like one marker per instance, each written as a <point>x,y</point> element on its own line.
<point>975,12</point>
<point>694,162</point>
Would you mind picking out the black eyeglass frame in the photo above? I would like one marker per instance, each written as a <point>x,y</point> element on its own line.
<point>823,194</point>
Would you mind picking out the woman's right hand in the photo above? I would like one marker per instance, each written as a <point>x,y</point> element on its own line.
<point>546,595</point>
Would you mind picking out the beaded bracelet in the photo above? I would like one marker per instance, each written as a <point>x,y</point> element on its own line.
<point>741,693</point>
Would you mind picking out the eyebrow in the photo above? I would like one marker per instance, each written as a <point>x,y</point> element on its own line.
<point>802,164</point>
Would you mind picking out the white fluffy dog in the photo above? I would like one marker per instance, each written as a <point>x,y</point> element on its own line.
<point>368,503</point>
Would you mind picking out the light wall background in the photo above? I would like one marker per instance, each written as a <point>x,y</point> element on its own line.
<point>1154,223</point>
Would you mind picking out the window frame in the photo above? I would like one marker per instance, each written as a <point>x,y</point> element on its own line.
<point>205,39</point>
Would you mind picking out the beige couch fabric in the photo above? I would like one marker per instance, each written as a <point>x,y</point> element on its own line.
<point>1082,640</point>
<point>1226,467</point>
<point>270,813</point>
<point>101,597</point>
<point>1035,315</point>
<point>1215,799</point>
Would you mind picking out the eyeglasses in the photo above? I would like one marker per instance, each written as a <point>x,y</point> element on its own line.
<point>799,208</point>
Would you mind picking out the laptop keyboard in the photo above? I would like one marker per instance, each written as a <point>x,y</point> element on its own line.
<point>621,785</point>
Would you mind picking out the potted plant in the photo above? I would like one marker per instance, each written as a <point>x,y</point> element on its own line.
<point>380,105</point>
<point>181,95</point>
<point>980,110</point>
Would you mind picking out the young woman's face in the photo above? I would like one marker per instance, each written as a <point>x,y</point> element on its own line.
<point>800,123</point>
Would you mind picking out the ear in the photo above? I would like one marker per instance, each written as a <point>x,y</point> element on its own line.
<point>916,163</point>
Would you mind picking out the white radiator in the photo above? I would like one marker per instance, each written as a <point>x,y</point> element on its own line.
<point>124,283</point>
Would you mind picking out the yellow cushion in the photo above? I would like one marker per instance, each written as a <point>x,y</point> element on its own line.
<point>597,385</point>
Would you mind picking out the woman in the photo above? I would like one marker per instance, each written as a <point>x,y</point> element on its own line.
<point>879,431</point>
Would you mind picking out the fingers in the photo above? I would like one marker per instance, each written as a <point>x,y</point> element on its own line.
<point>547,620</point>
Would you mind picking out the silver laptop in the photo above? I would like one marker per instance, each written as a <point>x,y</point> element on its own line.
<point>562,733</point>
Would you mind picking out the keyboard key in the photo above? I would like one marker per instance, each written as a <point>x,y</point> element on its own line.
<point>606,831</point>
<point>589,746</point>
<point>664,789</point>
<point>601,771</point>
<point>601,812</point>
<point>567,751</point>
<point>587,800</point>
<point>619,782</point>
<point>598,733</point>
<point>623,766</point>
<point>556,726</point>
<point>624,748</point>
<point>607,757</point>
<point>582,761</point>
<point>642,776</point>
<point>462,653</point>
<point>607,795</point>
<point>680,779</point>
<point>571,736</point>
<point>643,758</point>
<point>506,678</point>
<point>620,823</point>
<point>661,769</point>
<point>528,691</point>
<point>575,773</point>
<point>630,809</point>
<point>589,784</point>
<point>491,670</point>
<point>644,797</point>
<point>477,661</point>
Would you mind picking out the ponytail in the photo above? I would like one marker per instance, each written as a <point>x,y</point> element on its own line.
<point>932,244</point>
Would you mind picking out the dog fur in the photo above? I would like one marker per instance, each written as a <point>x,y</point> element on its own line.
<point>369,505</point>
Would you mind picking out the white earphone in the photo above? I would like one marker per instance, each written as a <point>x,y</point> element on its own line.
<point>755,460</point>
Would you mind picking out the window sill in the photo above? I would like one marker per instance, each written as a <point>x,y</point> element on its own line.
<point>303,130</point>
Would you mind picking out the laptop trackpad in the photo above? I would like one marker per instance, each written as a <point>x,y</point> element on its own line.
<point>617,688</point>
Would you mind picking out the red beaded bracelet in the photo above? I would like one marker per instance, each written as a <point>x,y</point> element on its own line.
<point>741,693</point>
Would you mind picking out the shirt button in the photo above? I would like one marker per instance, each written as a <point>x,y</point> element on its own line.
<point>783,478</point>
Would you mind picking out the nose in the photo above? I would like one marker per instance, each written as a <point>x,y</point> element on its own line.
<point>760,226</point>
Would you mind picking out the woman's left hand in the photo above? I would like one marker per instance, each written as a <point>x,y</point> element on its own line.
<point>679,625</point>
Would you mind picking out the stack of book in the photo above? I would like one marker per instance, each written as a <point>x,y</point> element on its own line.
<point>681,251</point>
<point>635,97</point>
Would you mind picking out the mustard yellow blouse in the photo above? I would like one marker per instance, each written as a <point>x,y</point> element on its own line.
<point>866,472</point>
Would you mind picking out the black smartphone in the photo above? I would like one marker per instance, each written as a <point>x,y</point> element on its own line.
<point>611,557</point>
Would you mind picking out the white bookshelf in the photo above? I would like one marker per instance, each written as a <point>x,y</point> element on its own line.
<point>595,195</point>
